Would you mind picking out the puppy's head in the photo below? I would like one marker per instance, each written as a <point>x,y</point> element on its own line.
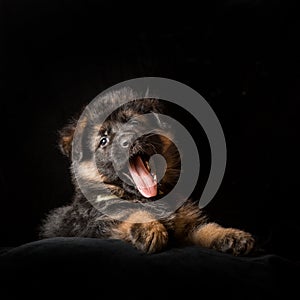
<point>116,152</point>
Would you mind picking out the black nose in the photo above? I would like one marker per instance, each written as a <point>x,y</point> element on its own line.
<point>125,140</point>
<point>124,143</point>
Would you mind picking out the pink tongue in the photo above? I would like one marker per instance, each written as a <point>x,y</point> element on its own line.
<point>145,183</point>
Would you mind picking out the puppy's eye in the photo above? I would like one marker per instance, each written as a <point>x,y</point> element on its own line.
<point>103,141</point>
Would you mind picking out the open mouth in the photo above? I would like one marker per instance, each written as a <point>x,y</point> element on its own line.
<point>143,178</point>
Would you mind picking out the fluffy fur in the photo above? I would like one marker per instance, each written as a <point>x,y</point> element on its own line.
<point>83,218</point>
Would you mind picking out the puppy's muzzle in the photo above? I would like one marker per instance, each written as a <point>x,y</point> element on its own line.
<point>126,139</point>
<point>122,148</point>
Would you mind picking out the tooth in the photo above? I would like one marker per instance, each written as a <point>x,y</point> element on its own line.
<point>147,165</point>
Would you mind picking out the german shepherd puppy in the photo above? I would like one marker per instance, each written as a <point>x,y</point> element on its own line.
<point>117,146</point>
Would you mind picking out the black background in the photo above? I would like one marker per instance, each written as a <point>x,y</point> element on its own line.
<point>241,56</point>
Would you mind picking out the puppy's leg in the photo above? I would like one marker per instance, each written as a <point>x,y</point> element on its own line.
<point>143,231</point>
<point>229,240</point>
<point>191,227</point>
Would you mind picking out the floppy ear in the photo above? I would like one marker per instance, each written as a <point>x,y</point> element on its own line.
<point>66,138</point>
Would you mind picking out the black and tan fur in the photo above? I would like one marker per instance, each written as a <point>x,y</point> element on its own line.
<point>185,226</point>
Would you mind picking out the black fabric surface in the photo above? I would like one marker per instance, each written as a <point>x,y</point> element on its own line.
<point>111,268</point>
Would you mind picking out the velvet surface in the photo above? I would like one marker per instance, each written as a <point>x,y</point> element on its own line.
<point>110,268</point>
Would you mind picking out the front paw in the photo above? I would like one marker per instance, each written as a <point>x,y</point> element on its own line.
<point>234,241</point>
<point>149,237</point>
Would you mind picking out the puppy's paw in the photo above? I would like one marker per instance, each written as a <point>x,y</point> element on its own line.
<point>234,241</point>
<point>149,237</point>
